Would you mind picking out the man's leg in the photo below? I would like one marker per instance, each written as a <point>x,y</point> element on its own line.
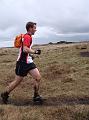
<point>14,83</point>
<point>11,87</point>
<point>37,77</point>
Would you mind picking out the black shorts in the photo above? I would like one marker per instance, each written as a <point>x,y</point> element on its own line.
<point>23,68</point>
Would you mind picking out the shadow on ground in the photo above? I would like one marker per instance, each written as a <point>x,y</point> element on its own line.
<point>84,54</point>
<point>51,101</point>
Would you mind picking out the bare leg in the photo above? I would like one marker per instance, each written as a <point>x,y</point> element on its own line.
<point>36,75</point>
<point>14,83</point>
<point>12,86</point>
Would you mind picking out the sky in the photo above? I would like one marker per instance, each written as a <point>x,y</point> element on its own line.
<point>56,20</point>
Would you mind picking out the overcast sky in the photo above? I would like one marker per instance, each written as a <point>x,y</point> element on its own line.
<point>56,19</point>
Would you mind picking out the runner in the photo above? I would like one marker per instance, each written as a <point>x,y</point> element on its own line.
<point>25,65</point>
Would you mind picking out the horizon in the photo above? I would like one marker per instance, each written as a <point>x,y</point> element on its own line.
<point>10,43</point>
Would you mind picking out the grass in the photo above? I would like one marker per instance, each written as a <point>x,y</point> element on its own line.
<point>64,84</point>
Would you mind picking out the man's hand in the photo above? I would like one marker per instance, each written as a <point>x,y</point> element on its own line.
<point>31,56</point>
<point>38,51</point>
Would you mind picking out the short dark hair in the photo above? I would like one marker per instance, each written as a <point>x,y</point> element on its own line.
<point>30,25</point>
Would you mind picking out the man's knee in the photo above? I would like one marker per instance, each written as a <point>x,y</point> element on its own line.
<point>38,78</point>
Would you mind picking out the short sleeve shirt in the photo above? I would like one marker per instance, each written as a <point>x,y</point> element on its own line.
<point>27,40</point>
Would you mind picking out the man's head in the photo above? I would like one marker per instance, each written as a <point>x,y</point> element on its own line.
<point>31,27</point>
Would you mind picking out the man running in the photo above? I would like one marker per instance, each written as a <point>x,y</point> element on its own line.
<point>25,65</point>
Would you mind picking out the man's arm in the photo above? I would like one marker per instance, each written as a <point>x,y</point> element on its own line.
<point>28,50</point>
<point>31,51</point>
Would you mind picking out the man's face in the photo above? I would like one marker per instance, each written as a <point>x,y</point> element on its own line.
<point>32,30</point>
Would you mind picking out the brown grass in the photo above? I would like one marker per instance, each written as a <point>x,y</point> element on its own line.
<point>64,85</point>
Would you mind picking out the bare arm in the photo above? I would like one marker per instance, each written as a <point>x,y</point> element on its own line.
<point>31,51</point>
<point>28,50</point>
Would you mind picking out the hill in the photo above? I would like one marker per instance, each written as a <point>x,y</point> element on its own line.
<point>64,85</point>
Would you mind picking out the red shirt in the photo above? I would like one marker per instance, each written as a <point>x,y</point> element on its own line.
<point>23,56</point>
<point>27,40</point>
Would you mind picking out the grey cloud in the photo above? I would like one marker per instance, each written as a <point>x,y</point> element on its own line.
<point>63,16</point>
